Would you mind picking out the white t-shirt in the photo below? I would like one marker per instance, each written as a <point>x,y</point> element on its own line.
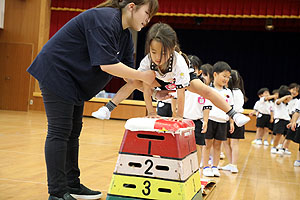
<point>194,105</point>
<point>292,106</point>
<point>297,109</point>
<point>281,111</point>
<point>217,114</point>
<point>263,107</point>
<point>178,74</point>
<point>238,100</point>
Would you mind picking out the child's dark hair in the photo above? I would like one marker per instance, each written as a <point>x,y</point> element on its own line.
<point>153,4</point>
<point>236,82</point>
<point>195,61</point>
<point>283,91</point>
<point>261,91</point>
<point>275,91</point>
<point>207,70</point>
<point>221,66</point>
<point>294,85</point>
<point>165,34</point>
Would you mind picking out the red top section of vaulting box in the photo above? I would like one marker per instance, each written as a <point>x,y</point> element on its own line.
<point>159,137</point>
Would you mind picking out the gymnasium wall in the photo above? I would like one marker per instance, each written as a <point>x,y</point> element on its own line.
<point>26,29</point>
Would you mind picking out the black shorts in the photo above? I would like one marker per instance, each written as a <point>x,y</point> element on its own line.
<point>271,126</point>
<point>200,137</point>
<point>263,121</point>
<point>297,136</point>
<point>216,130</point>
<point>290,134</point>
<point>164,109</point>
<point>238,133</point>
<point>280,126</point>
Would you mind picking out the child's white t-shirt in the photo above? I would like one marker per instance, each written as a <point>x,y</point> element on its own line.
<point>264,106</point>
<point>238,100</point>
<point>217,114</point>
<point>292,106</point>
<point>194,105</point>
<point>179,72</point>
<point>281,111</point>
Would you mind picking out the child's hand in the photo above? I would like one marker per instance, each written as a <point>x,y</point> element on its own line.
<point>231,129</point>
<point>148,77</point>
<point>204,127</point>
<point>153,115</point>
<point>176,119</point>
<point>164,94</point>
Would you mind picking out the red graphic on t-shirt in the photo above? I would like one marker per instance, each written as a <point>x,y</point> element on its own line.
<point>171,86</point>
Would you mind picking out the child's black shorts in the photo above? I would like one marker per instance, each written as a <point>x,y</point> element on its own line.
<point>200,137</point>
<point>216,130</point>
<point>280,126</point>
<point>263,121</point>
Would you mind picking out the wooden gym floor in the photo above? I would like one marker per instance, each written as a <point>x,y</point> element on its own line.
<point>23,170</point>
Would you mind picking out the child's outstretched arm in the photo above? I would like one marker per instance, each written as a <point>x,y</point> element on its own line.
<point>198,87</point>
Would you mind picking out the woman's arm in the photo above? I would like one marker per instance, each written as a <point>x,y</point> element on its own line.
<point>126,72</point>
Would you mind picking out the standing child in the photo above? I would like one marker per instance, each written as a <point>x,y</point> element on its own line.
<point>73,66</point>
<point>294,90</point>
<point>236,84</point>
<point>162,58</point>
<point>217,123</point>
<point>197,109</point>
<point>262,109</point>
<point>281,117</point>
<point>294,125</point>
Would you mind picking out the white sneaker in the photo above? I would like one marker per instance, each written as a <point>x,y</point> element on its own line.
<point>297,163</point>
<point>227,167</point>
<point>222,155</point>
<point>234,169</point>
<point>259,141</point>
<point>207,171</point>
<point>273,150</point>
<point>287,152</point>
<point>254,141</point>
<point>266,143</point>
<point>240,119</point>
<point>280,152</point>
<point>279,146</point>
<point>102,113</point>
<point>215,171</point>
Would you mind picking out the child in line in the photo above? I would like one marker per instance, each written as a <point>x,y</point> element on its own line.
<point>294,125</point>
<point>262,110</point>
<point>217,123</point>
<point>164,60</point>
<point>281,117</point>
<point>294,90</point>
<point>197,109</point>
<point>236,84</point>
<point>271,125</point>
